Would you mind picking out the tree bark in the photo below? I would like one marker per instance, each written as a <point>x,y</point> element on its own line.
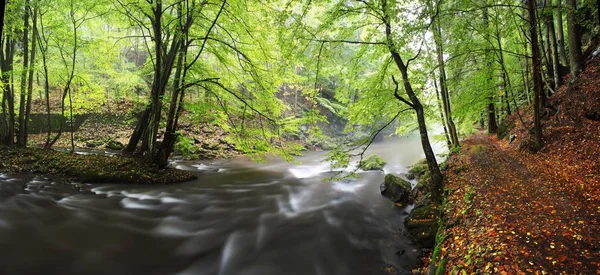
<point>443,85</point>
<point>30,78</point>
<point>550,68</point>
<point>442,115</point>
<point>491,109</point>
<point>6,60</point>
<point>22,102</point>
<point>562,52</point>
<point>553,46</point>
<point>537,72</point>
<point>574,35</point>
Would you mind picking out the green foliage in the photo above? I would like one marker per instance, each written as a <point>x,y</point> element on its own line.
<point>185,146</point>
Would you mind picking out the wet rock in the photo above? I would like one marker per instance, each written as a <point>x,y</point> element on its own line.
<point>373,162</point>
<point>114,145</point>
<point>396,189</point>
<point>422,224</point>
<point>421,194</point>
<point>93,143</point>
<point>418,170</point>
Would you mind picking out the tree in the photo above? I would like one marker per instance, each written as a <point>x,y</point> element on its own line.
<point>437,34</point>
<point>373,26</point>
<point>574,35</point>
<point>207,46</point>
<point>26,74</point>
<point>537,74</point>
<point>562,52</point>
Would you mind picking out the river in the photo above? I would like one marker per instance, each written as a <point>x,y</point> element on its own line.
<point>239,217</point>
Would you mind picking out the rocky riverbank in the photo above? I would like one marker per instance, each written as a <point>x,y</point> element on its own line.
<point>87,168</point>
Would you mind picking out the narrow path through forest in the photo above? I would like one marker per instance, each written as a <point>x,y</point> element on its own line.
<point>513,212</point>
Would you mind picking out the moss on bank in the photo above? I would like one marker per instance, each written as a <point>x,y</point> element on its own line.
<point>87,168</point>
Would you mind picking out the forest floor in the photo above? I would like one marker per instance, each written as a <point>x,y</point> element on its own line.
<point>511,211</point>
<point>109,127</point>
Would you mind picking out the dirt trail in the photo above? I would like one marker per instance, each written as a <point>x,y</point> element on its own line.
<point>510,212</point>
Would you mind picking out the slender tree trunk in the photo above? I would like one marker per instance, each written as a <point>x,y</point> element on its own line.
<point>170,137</point>
<point>505,76</point>
<point>443,85</point>
<point>548,31</point>
<point>554,47</point>
<point>442,116</point>
<point>22,102</point>
<point>562,52</point>
<point>491,109</point>
<point>30,78</point>
<point>525,73</point>
<point>6,60</point>
<point>437,184</point>
<point>574,34</point>
<point>537,73</point>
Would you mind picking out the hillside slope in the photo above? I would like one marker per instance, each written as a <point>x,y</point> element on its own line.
<point>510,211</point>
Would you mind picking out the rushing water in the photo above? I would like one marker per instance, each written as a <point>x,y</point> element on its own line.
<point>239,217</point>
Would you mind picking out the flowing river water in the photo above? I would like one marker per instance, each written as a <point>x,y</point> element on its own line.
<point>239,217</point>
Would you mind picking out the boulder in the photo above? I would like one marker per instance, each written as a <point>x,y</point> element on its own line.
<point>93,143</point>
<point>114,145</point>
<point>373,162</point>
<point>421,194</point>
<point>396,189</point>
<point>422,224</point>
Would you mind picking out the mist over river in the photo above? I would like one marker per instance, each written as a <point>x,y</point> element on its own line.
<point>239,217</point>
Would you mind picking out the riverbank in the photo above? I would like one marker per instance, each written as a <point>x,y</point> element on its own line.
<point>509,210</point>
<point>87,168</point>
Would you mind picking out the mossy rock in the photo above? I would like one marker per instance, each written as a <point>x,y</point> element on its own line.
<point>373,162</point>
<point>93,143</point>
<point>422,224</point>
<point>418,169</point>
<point>114,145</point>
<point>396,189</point>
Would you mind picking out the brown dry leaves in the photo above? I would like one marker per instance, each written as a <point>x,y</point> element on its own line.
<point>512,212</point>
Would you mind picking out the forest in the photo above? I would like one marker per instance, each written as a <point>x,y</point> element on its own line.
<point>501,99</point>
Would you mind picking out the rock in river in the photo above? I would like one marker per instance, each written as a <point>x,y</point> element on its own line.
<point>422,224</point>
<point>396,189</point>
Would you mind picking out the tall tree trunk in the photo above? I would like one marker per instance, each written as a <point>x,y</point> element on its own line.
<point>442,116</point>
<point>30,79</point>
<point>444,85</point>
<point>562,52</point>
<point>491,109</point>
<point>437,184</point>
<point>6,60</point>
<point>553,46</point>
<point>170,137</point>
<point>506,86</point>
<point>574,34</point>
<point>537,73</point>
<point>548,31</point>
<point>22,103</point>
